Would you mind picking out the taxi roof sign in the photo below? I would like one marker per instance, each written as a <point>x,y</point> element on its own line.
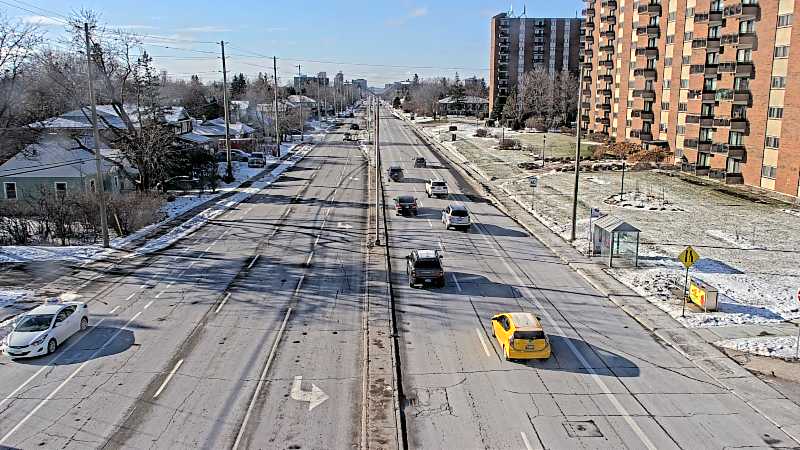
<point>688,257</point>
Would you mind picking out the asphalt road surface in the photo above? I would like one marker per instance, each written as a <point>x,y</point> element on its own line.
<point>609,384</point>
<point>247,333</point>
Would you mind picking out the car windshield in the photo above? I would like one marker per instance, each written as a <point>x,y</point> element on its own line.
<point>38,322</point>
<point>529,334</point>
<point>405,199</point>
<point>257,155</point>
<point>395,169</point>
<point>427,264</point>
<point>459,213</point>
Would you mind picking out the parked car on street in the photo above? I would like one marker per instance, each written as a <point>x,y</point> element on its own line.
<point>354,126</point>
<point>395,173</point>
<point>405,204</point>
<point>521,336</point>
<point>456,216</point>
<point>41,330</point>
<point>436,188</point>
<point>425,267</point>
<point>256,159</point>
<point>420,162</point>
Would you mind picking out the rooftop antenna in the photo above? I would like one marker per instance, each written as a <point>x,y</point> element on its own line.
<point>523,11</point>
<point>511,11</point>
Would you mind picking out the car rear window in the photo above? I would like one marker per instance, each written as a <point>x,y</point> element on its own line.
<point>405,199</point>
<point>459,213</point>
<point>427,264</point>
<point>529,334</point>
<point>438,183</point>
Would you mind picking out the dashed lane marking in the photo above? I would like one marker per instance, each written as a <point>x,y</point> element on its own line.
<point>169,377</point>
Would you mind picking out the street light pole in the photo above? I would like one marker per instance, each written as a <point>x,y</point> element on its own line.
<point>99,189</point>
<point>377,174</point>
<point>229,167</point>
<point>300,95</point>
<point>277,128</point>
<point>577,162</point>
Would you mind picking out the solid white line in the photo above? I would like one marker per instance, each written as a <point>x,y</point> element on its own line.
<point>252,263</point>
<point>222,303</point>
<point>148,304</point>
<point>63,383</point>
<point>525,440</point>
<point>130,296</point>
<point>261,379</point>
<point>458,285</point>
<point>169,377</point>
<point>597,379</point>
<point>114,310</point>
<point>483,342</point>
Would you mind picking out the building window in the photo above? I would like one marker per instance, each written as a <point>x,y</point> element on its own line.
<point>773,142</point>
<point>628,123</point>
<point>683,107</point>
<point>744,55</point>
<point>782,51</point>
<point>775,112</point>
<point>768,171</point>
<point>684,83</point>
<point>671,16</point>
<point>665,106</point>
<point>667,84</point>
<point>688,36</point>
<point>681,129</point>
<point>712,58</point>
<point>685,60</point>
<point>747,26</point>
<point>662,127</point>
<point>670,39</point>
<point>735,138</point>
<point>667,62</point>
<point>706,134</point>
<point>689,12</point>
<point>61,188</point>
<point>630,103</point>
<point>778,82</point>
<point>11,191</point>
<point>784,20</point>
<point>703,159</point>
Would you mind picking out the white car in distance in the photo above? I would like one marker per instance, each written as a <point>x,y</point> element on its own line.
<point>41,330</point>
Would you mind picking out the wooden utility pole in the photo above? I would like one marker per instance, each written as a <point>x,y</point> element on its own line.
<point>277,128</point>
<point>229,168</point>
<point>300,96</point>
<point>577,161</point>
<point>378,174</point>
<point>99,189</point>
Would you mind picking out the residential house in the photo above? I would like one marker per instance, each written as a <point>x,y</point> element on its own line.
<point>242,136</point>
<point>468,106</point>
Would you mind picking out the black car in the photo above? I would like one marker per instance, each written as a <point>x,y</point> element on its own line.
<point>405,204</point>
<point>425,267</point>
<point>395,173</point>
<point>354,126</point>
<point>420,162</point>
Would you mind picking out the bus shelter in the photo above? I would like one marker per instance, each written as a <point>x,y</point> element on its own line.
<point>616,240</point>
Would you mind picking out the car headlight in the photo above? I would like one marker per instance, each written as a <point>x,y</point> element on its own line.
<point>40,340</point>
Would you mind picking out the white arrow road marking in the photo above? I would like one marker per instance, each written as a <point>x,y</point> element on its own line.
<point>315,398</point>
<point>344,225</point>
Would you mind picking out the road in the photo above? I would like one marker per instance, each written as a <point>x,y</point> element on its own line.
<point>247,333</point>
<point>609,383</point>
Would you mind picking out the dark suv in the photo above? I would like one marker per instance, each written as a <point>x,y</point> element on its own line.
<point>425,267</point>
<point>395,173</point>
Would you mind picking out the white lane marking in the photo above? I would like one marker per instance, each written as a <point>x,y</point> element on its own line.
<point>455,280</point>
<point>63,383</point>
<point>160,294</point>
<point>595,376</point>
<point>169,377</point>
<point>130,296</point>
<point>209,247</point>
<point>148,304</point>
<point>252,263</point>
<point>525,440</point>
<point>441,247</point>
<point>310,255</point>
<point>430,224</point>
<point>114,309</point>
<point>483,342</point>
<point>222,303</point>
<point>261,379</point>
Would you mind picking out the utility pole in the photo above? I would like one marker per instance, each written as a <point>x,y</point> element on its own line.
<point>300,95</point>
<point>622,184</point>
<point>277,128</point>
<point>577,162</point>
<point>229,167</point>
<point>378,175</point>
<point>99,189</point>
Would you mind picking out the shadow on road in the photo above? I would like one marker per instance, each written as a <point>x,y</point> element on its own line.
<point>601,361</point>
<point>81,347</point>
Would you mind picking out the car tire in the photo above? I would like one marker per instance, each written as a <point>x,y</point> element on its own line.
<point>52,345</point>
<point>411,282</point>
<point>84,323</point>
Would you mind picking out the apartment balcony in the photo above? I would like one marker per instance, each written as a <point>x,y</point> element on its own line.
<point>610,4</point>
<point>606,106</point>
<point>587,92</point>
<point>607,48</point>
<point>690,143</point>
<point>648,74</point>
<point>585,118</point>
<point>586,105</point>
<point>610,19</point>
<point>714,17</point>
<point>589,25</point>
<point>697,68</point>
<point>740,10</point>
<point>745,69</point>
<point>739,124</point>
<point>606,78</point>
<point>742,98</point>
<point>699,43</point>
<point>605,92</point>
<point>646,94</point>
<point>649,31</point>
<point>645,136</point>
<point>703,121</point>
<point>710,69</point>
<point>589,53</point>
<point>604,121</point>
<point>718,148</point>
<point>726,67</point>
<point>704,146</point>
<point>713,43</point>
<point>736,151</point>
<point>608,34</point>
<point>649,52</point>
<point>734,178</point>
<point>588,65</point>
<point>587,79</point>
<point>588,12</point>
<point>589,39</point>
<point>646,116</point>
<point>740,40</point>
<point>607,63</point>
<point>650,9</point>
<point>708,96</point>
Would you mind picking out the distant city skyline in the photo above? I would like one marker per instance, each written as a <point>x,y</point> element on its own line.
<point>378,41</point>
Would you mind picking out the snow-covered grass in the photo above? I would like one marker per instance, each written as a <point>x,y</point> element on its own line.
<point>775,346</point>
<point>749,251</point>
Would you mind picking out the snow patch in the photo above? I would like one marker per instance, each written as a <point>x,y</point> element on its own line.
<point>642,201</point>
<point>774,346</point>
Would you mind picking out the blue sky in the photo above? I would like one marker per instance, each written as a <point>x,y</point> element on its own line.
<point>358,37</point>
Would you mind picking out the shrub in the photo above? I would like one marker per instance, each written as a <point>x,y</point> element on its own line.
<point>508,144</point>
<point>481,132</point>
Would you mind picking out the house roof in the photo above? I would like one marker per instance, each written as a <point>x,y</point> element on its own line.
<point>237,128</point>
<point>80,118</point>
<point>614,224</point>
<point>194,138</point>
<point>55,156</point>
<point>466,99</point>
<point>300,98</point>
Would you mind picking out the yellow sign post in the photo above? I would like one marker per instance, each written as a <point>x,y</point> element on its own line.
<point>688,257</point>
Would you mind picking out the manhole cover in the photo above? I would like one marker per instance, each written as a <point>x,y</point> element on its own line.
<point>582,428</point>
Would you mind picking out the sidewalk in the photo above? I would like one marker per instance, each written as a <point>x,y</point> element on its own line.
<point>696,345</point>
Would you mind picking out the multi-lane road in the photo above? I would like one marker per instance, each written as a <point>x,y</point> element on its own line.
<point>250,334</point>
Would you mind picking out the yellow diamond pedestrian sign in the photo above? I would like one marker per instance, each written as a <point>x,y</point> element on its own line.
<point>689,256</point>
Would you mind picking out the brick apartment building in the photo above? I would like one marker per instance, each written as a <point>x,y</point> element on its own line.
<point>714,81</point>
<point>519,45</point>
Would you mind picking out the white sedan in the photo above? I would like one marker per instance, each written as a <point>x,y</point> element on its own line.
<point>41,330</point>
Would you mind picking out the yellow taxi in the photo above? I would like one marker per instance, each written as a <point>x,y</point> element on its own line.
<point>521,336</point>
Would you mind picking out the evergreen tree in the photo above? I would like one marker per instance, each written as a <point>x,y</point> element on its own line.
<point>238,87</point>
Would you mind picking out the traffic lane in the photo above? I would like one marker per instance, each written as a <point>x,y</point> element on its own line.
<point>313,397</point>
<point>67,370</point>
